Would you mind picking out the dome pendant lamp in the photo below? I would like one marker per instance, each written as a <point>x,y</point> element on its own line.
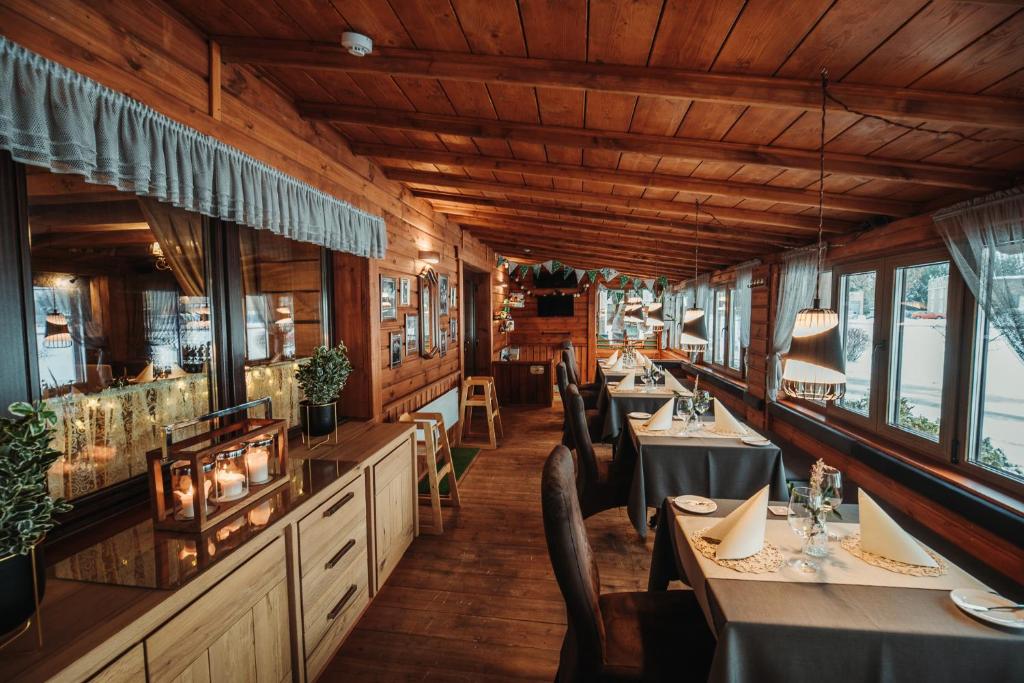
<point>694,337</point>
<point>815,367</point>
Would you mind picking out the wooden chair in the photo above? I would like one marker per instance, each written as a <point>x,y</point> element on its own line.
<point>478,392</point>
<point>431,451</point>
<point>601,484</point>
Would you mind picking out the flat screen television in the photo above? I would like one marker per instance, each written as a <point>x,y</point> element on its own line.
<point>555,306</point>
<point>563,279</point>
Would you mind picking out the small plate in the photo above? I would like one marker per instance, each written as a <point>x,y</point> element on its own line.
<point>755,441</point>
<point>639,416</point>
<point>614,384</point>
<point>698,505</point>
<point>968,599</point>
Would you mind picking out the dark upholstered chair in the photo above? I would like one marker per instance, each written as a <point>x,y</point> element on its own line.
<point>591,393</point>
<point>593,416</point>
<point>657,636</point>
<point>601,484</point>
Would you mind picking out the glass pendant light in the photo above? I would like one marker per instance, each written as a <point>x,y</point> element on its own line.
<point>815,367</point>
<point>694,337</point>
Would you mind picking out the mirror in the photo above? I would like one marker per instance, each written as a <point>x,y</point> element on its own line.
<point>429,331</point>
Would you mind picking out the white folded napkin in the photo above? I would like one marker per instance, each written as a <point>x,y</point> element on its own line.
<point>725,423</point>
<point>881,535</point>
<point>177,371</point>
<point>662,419</point>
<point>612,359</point>
<point>146,375</point>
<point>672,383</point>
<point>741,533</point>
<point>628,382</point>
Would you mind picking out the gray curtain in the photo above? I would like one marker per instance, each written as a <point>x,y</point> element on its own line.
<point>742,304</point>
<point>54,117</point>
<point>986,240</point>
<point>180,234</point>
<point>797,280</point>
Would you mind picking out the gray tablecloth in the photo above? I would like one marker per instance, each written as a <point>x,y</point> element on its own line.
<point>794,632</point>
<point>716,468</point>
<point>615,407</point>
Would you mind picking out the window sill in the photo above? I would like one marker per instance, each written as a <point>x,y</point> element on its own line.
<point>945,473</point>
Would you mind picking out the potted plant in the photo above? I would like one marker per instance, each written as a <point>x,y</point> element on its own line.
<point>321,379</point>
<point>26,508</point>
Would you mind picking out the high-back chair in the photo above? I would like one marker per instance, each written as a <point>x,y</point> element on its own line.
<point>591,392</point>
<point>642,636</point>
<point>602,485</point>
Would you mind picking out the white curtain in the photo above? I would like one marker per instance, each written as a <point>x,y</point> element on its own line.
<point>742,303</point>
<point>797,281</point>
<point>986,240</point>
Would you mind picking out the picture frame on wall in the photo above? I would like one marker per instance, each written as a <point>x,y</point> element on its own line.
<point>388,298</point>
<point>395,344</point>
<point>412,334</point>
<point>442,294</point>
<point>453,329</point>
<point>443,343</point>
<point>517,300</point>
<point>453,297</point>
<point>404,291</point>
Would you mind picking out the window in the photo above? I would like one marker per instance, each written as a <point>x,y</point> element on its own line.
<point>122,321</point>
<point>735,350</point>
<point>620,314</point>
<point>894,316</point>
<point>720,327</point>
<point>723,325</point>
<point>282,301</point>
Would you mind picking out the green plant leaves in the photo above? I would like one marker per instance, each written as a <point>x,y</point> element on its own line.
<point>324,375</point>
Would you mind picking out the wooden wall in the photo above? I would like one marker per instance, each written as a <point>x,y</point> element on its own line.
<point>148,51</point>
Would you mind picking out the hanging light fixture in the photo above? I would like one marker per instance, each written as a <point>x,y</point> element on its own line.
<point>655,315</point>
<point>694,337</point>
<point>815,367</point>
<point>57,336</point>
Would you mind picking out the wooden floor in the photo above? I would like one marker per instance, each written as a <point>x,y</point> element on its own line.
<point>480,602</point>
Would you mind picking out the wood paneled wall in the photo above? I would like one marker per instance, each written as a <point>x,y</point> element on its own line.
<point>148,51</point>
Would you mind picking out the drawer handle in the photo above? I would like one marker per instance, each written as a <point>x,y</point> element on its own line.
<point>340,504</point>
<point>341,553</point>
<point>349,594</point>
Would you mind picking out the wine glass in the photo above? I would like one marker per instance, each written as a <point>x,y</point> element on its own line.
<point>684,409</point>
<point>832,488</point>
<point>801,521</point>
<point>701,402</point>
<point>645,375</point>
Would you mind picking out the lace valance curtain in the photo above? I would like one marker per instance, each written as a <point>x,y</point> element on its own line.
<point>54,117</point>
<point>986,240</point>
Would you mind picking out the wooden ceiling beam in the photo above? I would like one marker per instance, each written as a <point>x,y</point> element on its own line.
<point>85,215</point>
<point>455,203</point>
<point>708,243</point>
<point>843,202</point>
<point>659,145</point>
<point>585,259</point>
<point>796,223</point>
<point>555,235</point>
<point>762,91</point>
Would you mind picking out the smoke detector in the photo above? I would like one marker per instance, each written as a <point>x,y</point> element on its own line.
<point>357,44</point>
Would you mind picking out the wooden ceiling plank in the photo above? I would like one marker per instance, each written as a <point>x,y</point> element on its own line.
<point>791,223</point>
<point>738,153</point>
<point>640,266</point>
<point>656,180</point>
<point>631,80</point>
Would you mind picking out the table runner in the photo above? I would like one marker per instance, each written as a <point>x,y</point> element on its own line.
<point>795,632</point>
<point>716,467</point>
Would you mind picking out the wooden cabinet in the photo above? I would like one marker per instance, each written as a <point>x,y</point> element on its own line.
<point>238,632</point>
<point>128,668</point>
<point>522,382</point>
<point>394,509</point>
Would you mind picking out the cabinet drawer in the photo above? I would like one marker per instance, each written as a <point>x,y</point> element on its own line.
<point>333,609</point>
<point>321,531</point>
<point>128,668</point>
<point>327,579</point>
<point>391,465</point>
<point>202,623</point>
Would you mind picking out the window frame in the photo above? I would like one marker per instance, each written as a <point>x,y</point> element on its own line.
<point>728,287</point>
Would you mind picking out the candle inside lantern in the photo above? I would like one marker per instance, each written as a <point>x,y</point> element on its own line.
<point>257,459</point>
<point>183,498</point>
<point>232,474</point>
<point>232,484</point>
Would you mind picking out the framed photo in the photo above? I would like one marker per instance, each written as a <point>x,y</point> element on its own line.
<point>454,297</point>
<point>388,298</point>
<point>443,345</point>
<point>404,288</point>
<point>517,300</point>
<point>513,353</point>
<point>453,329</point>
<point>395,343</point>
<point>442,294</point>
<point>412,334</point>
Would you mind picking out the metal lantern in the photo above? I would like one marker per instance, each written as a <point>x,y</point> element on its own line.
<point>183,489</point>
<point>815,367</point>
<point>231,474</point>
<point>261,458</point>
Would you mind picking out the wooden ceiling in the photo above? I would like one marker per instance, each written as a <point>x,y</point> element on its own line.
<point>586,132</point>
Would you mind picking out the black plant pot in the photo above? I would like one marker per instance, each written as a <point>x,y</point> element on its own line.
<point>318,420</point>
<point>17,601</point>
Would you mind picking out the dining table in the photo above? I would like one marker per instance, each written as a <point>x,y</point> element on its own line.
<point>615,404</point>
<point>694,461</point>
<point>848,621</point>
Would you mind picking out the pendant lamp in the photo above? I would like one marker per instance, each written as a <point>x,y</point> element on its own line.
<point>57,336</point>
<point>815,367</point>
<point>655,315</point>
<point>694,337</point>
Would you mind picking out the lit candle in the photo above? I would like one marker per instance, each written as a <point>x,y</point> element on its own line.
<point>232,484</point>
<point>257,458</point>
<point>184,497</point>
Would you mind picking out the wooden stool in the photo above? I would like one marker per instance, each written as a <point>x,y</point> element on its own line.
<point>431,450</point>
<point>485,398</point>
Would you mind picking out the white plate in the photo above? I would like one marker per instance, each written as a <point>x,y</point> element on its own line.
<point>698,505</point>
<point>639,416</point>
<point>966,598</point>
<point>613,384</point>
<point>755,441</point>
